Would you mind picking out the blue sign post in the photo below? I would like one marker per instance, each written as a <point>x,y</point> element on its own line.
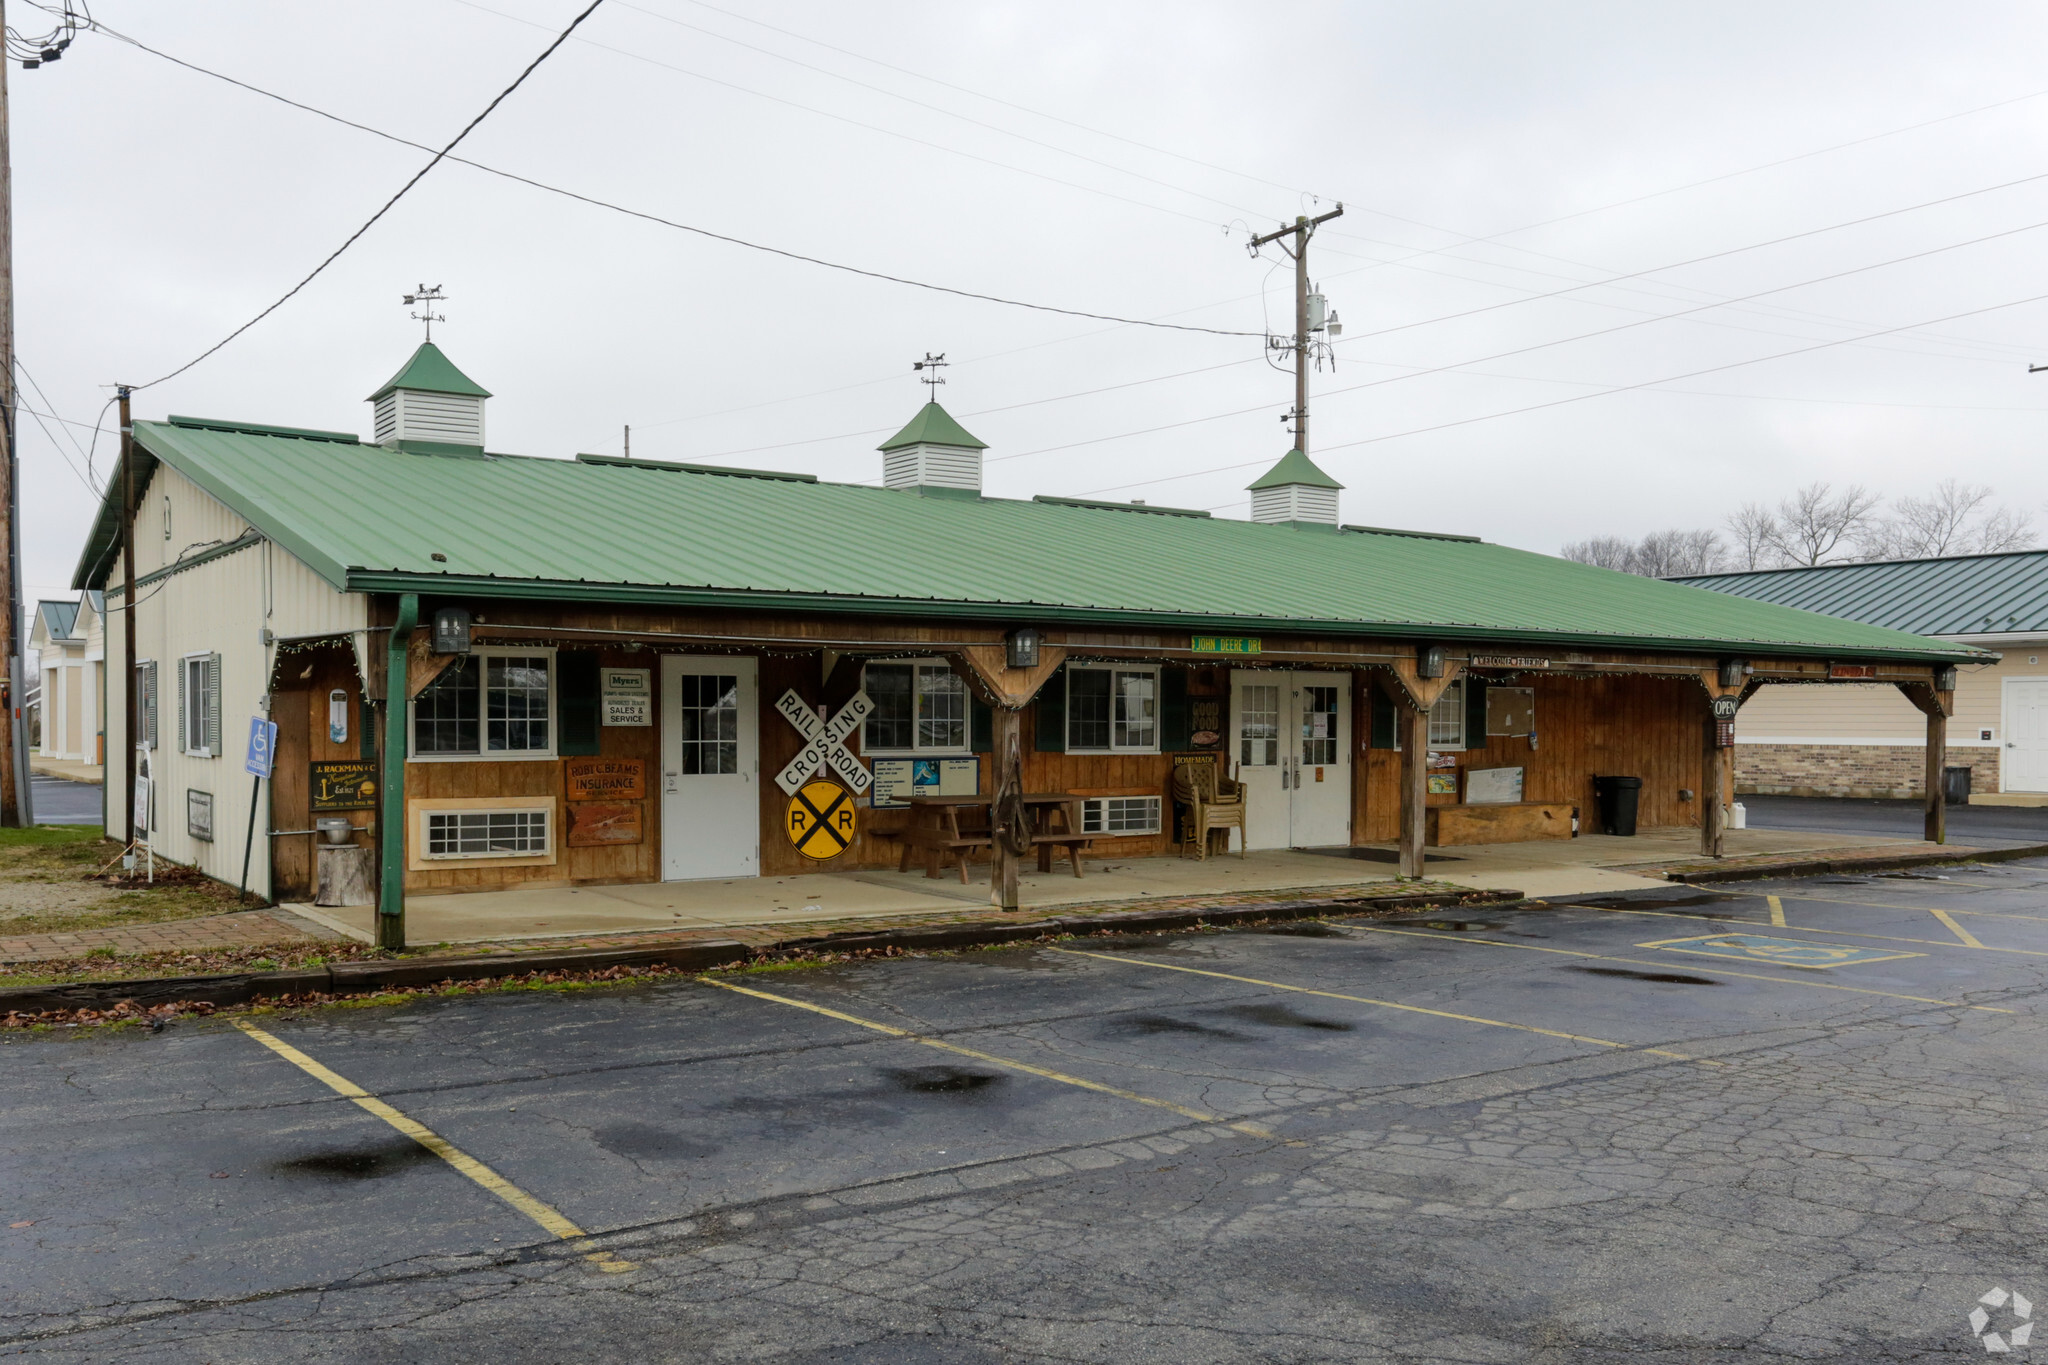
<point>262,757</point>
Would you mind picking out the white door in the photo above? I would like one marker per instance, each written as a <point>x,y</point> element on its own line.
<point>1290,736</point>
<point>710,778</point>
<point>2026,735</point>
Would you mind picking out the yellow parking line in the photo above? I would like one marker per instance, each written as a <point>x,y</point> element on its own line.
<point>992,1059</point>
<point>1969,939</point>
<point>1644,962</point>
<point>1777,911</point>
<point>544,1214</point>
<point>1953,909</point>
<point>1803,929</point>
<point>1394,1005</point>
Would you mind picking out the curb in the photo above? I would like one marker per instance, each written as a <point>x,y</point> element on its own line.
<point>1816,866</point>
<point>359,978</point>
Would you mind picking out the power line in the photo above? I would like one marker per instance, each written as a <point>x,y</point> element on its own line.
<point>1584,397</point>
<point>647,217</point>
<point>418,175</point>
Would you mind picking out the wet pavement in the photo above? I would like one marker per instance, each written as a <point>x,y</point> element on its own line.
<point>59,801</point>
<point>1790,1119</point>
<point>1980,826</point>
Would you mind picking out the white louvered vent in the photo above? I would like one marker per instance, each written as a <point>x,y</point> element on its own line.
<point>411,415</point>
<point>1295,502</point>
<point>930,466</point>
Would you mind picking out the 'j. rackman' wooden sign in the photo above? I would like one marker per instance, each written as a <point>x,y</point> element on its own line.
<point>345,784</point>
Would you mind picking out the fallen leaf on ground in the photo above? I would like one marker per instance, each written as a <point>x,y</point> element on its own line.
<point>24,1223</point>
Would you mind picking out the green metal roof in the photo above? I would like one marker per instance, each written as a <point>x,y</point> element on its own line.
<point>1294,467</point>
<point>370,519</point>
<point>933,425</point>
<point>1962,595</point>
<point>431,372</point>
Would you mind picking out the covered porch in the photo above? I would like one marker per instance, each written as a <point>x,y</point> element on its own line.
<point>1590,865</point>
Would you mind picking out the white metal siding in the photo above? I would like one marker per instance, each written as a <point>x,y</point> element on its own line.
<point>222,607</point>
<point>387,417</point>
<point>1295,502</point>
<point>930,466</point>
<point>1878,713</point>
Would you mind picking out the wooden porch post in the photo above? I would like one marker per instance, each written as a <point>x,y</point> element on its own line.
<point>1009,790</point>
<point>1414,725</point>
<point>1413,695</point>
<point>1716,769</point>
<point>1937,704</point>
<point>1008,691</point>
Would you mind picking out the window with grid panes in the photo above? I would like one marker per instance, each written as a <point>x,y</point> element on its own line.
<point>920,707</point>
<point>1112,709</point>
<point>1258,724</point>
<point>493,703</point>
<point>710,723</point>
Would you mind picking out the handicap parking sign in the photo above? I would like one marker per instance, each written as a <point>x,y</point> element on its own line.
<point>1784,952</point>
<point>262,746</point>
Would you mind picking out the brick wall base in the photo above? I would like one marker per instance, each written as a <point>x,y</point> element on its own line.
<point>1858,770</point>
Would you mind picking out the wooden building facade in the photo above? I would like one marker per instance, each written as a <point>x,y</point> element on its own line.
<point>490,671</point>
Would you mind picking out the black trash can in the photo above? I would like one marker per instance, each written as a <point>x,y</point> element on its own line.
<point>1955,786</point>
<point>1617,797</point>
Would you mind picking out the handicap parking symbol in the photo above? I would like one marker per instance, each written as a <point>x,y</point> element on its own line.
<point>1784,952</point>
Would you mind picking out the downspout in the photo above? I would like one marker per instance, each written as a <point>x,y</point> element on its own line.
<point>391,895</point>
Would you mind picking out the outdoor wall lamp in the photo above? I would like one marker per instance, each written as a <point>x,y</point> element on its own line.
<point>1945,678</point>
<point>1429,661</point>
<point>1020,647</point>
<point>1732,671</point>
<point>451,630</point>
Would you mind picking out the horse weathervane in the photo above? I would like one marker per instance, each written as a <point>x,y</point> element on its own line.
<point>425,298</point>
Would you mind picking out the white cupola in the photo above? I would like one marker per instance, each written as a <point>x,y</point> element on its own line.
<point>934,454</point>
<point>432,407</point>
<point>1295,493</point>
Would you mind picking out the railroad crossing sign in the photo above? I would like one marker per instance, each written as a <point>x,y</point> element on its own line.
<point>821,820</point>
<point>824,743</point>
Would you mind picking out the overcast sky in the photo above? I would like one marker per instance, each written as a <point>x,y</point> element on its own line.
<point>1101,157</point>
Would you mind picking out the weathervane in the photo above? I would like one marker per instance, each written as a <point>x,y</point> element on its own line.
<point>933,363</point>
<point>426,298</point>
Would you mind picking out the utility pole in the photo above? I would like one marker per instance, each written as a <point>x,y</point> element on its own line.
<point>1303,228</point>
<point>16,808</point>
<point>131,726</point>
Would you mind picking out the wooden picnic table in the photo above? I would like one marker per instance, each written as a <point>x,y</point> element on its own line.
<point>935,830</point>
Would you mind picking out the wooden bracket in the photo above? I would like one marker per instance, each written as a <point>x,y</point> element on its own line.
<point>422,665</point>
<point>1928,700</point>
<point>1710,678</point>
<point>987,669</point>
<point>1417,691</point>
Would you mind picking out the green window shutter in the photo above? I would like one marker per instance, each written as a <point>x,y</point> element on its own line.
<point>1475,714</point>
<point>1382,719</point>
<point>1052,713</point>
<point>366,735</point>
<point>184,738</point>
<point>213,705</point>
<point>578,704</point>
<point>1173,709</point>
<point>981,725</point>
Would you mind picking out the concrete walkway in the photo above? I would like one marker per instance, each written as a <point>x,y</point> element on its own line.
<point>1590,865</point>
<point>71,770</point>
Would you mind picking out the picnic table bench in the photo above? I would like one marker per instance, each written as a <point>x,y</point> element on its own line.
<point>936,831</point>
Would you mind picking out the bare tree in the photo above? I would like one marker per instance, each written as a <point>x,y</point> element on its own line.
<point>1955,519</point>
<point>1754,530</point>
<point>1675,554</point>
<point>1606,552</point>
<point>1817,525</point>
<point>1661,554</point>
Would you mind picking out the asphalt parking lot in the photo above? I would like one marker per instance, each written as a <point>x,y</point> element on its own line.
<point>1797,1119</point>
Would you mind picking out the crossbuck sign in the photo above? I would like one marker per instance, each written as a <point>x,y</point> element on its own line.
<point>824,743</point>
